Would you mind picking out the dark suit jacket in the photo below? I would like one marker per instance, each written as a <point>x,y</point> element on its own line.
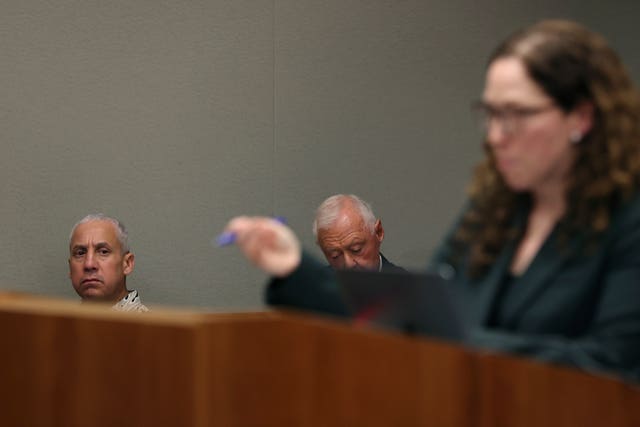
<point>388,265</point>
<point>571,306</point>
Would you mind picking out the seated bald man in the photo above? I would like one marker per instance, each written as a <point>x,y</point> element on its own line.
<point>350,235</point>
<point>100,261</point>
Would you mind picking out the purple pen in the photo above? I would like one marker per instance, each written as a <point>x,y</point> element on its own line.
<point>229,237</point>
<point>225,238</point>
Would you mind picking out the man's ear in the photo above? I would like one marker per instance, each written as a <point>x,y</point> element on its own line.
<point>379,230</point>
<point>128,262</point>
<point>69,261</point>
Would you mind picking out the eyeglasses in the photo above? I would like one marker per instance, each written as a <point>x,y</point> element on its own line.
<point>511,118</point>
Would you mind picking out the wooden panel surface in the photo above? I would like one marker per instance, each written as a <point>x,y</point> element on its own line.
<point>297,370</point>
<point>89,367</point>
<point>69,364</point>
<point>526,393</point>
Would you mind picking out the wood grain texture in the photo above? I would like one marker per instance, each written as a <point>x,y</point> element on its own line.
<point>69,364</point>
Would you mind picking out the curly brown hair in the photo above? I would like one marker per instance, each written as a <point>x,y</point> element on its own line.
<point>572,65</point>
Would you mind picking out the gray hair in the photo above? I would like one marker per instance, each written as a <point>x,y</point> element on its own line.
<point>121,232</point>
<point>328,212</point>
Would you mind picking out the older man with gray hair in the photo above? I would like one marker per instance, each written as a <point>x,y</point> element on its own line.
<point>350,235</point>
<point>100,261</point>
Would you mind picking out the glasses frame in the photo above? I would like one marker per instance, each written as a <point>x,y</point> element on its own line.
<point>510,117</point>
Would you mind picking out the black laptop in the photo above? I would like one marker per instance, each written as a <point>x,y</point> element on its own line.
<point>415,303</point>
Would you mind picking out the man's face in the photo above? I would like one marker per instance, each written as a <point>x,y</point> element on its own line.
<point>97,266</point>
<point>349,244</point>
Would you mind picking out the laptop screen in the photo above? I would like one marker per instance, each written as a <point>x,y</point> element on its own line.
<point>415,303</point>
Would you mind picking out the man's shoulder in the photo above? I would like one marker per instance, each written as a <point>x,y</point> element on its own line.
<point>388,266</point>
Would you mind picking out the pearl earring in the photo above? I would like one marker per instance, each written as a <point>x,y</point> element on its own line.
<point>575,137</point>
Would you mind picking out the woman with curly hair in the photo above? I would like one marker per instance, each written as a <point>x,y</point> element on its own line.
<point>547,251</point>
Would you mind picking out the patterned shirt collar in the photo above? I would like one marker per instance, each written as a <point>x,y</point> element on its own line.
<point>130,302</point>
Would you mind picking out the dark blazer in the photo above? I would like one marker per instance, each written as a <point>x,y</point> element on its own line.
<point>388,265</point>
<point>572,306</point>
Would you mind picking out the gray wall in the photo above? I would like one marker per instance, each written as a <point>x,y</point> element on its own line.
<point>176,115</point>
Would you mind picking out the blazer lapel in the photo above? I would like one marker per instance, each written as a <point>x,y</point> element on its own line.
<point>538,276</point>
<point>488,288</point>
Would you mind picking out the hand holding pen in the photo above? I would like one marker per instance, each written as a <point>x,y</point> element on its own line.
<point>266,242</point>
